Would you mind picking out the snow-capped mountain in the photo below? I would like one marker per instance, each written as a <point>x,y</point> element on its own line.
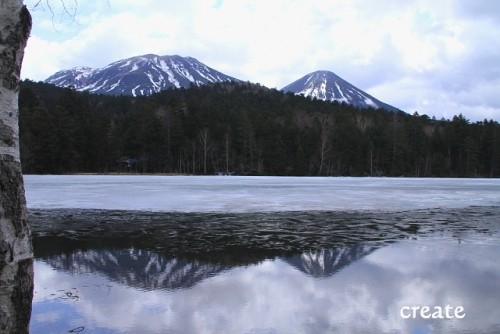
<point>141,75</point>
<point>327,86</point>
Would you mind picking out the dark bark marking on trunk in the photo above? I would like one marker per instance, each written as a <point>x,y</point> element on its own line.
<point>6,135</point>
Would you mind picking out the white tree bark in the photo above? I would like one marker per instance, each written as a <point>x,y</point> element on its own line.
<point>16,254</point>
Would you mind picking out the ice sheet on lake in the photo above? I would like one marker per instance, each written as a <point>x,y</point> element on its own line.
<point>255,194</point>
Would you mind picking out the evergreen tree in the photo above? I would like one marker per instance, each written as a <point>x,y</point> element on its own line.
<point>244,129</point>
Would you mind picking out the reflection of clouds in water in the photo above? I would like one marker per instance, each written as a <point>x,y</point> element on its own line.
<point>446,274</point>
<point>48,317</point>
<point>363,297</point>
<point>101,303</point>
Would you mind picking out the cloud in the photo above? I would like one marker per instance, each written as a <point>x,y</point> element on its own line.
<point>443,47</point>
<point>478,10</point>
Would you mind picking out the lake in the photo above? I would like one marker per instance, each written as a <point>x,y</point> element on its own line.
<point>228,254</point>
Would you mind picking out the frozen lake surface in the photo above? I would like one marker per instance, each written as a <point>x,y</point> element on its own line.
<point>256,194</point>
<point>214,254</point>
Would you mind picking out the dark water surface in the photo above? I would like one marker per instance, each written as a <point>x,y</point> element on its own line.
<point>111,271</point>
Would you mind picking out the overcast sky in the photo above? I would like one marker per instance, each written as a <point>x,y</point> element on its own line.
<point>437,57</point>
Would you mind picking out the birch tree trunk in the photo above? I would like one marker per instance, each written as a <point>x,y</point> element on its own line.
<point>16,254</point>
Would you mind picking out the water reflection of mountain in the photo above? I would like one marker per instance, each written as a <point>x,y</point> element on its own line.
<point>136,267</point>
<point>149,270</point>
<point>326,262</point>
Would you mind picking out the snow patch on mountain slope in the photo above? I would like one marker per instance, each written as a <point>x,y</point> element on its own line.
<point>327,86</point>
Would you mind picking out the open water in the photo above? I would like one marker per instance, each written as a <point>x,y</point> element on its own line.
<point>124,254</point>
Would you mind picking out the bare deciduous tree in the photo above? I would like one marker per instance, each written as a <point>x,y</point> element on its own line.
<point>325,125</point>
<point>205,142</point>
<point>363,122</point>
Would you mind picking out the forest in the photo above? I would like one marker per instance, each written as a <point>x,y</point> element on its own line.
<point>243,129</point>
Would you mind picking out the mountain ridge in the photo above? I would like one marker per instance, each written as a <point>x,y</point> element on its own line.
<point>139,75</point>
<point>148,74</point>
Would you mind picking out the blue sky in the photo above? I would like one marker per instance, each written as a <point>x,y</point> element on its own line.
<point>439,58</point>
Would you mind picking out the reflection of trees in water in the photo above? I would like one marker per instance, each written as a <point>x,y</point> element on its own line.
<point>285,233</point>
<point>196,234</point>
<point>174,250</point>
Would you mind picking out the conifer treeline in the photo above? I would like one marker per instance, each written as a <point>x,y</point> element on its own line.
<point>246,129</point>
